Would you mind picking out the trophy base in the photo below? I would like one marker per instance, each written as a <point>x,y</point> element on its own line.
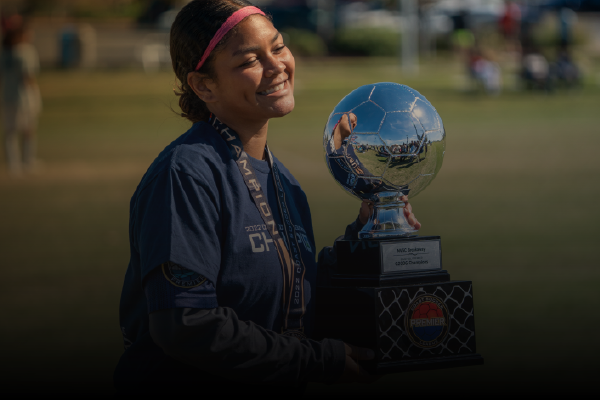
<point>374,280</point>
<point>425,364</point>
<point>413,319</point>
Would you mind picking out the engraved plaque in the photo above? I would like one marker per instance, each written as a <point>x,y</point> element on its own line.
<point>410,256</point>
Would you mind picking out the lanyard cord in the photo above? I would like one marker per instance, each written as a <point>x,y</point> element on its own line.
<point>286,241</point>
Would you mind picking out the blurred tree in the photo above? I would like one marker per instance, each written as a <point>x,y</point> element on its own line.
<point>366,42</point>
<point>305,43</point>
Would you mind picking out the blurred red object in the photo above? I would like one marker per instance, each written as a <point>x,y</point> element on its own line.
<point>11,22</point>
<point>510,20</point>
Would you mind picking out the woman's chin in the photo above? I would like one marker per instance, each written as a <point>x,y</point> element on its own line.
<point>282,107</point>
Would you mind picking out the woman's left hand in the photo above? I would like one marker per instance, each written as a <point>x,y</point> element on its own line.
<point>366,209</point>
<point>410,217</point>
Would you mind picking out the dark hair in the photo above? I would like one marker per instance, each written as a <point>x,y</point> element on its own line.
<point>192,30</point>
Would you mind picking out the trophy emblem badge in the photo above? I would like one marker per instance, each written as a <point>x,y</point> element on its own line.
<point>427,321</point>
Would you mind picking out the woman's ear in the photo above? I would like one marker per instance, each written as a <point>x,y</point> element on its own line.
<point>202,85</point>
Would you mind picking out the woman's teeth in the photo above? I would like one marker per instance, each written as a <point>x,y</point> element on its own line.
<point>273,89</point>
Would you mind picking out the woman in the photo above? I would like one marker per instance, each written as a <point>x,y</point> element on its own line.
<point>220,286</point>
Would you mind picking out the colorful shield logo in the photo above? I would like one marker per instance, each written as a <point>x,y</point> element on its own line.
<point>427,321</point>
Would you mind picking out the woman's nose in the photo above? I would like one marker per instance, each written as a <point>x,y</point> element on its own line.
<point>274,66</point>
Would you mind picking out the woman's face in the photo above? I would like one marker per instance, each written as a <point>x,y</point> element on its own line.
<point>255,74</point>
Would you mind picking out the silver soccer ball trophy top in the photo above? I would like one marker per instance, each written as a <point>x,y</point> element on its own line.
<point>384,141</point>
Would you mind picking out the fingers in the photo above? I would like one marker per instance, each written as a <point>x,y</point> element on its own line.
<point>417,225</point>
<point>360,374</point>
<point>354,373</point>
<point>353,120</point>
<point>375,378</point>
<point>410,217</point>
<point>412,220</point>
<point>366,209</point>
<point>341,131</point>
<point>359,353</point>
<point>345,124</point>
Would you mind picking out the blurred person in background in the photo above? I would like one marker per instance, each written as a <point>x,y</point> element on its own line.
<point>21,100</point>
<point>536,70</point>
<point>484,71</point>
<point>564,70</point>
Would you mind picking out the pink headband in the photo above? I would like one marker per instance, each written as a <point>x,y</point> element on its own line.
<point>232,21</point>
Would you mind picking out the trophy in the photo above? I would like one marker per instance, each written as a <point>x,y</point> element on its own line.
<point>388,290</point>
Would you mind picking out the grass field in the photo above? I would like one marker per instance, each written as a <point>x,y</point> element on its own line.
<point>515,204</point>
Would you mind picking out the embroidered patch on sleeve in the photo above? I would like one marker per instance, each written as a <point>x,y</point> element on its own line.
<point>180,276</point>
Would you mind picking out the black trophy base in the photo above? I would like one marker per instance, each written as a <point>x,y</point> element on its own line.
<point>413,319</point>
<point>377,280</point>
<point>394,367</point>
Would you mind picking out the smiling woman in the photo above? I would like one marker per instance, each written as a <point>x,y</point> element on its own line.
<point>219,292</point>
<point>255,81</point>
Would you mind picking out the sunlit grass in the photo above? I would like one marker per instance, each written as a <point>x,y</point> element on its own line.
<point>514,203</point>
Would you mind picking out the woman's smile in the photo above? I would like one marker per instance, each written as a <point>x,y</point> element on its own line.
<point>277,89</point>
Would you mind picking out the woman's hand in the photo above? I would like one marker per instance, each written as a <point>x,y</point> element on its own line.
<point>366,209</point>
<point>354,373</point>
<point>343,129</point>
<point>410,217</point>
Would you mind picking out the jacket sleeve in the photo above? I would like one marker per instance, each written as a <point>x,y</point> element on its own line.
<point>328,257</point>
<point>216,340</point>
<point>352,230</point>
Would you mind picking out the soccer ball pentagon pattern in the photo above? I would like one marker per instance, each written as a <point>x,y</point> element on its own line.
<point>390,139</point>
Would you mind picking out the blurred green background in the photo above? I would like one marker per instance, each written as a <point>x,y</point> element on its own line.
<point>515,204</point>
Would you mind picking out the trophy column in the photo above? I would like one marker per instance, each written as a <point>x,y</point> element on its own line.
<point>394,297</point>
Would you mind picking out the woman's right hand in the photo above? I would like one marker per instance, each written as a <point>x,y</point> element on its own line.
<point>353,372</point>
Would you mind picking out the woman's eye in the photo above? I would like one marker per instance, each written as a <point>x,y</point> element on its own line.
<point>280,48</point>
<point>249,62</point>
